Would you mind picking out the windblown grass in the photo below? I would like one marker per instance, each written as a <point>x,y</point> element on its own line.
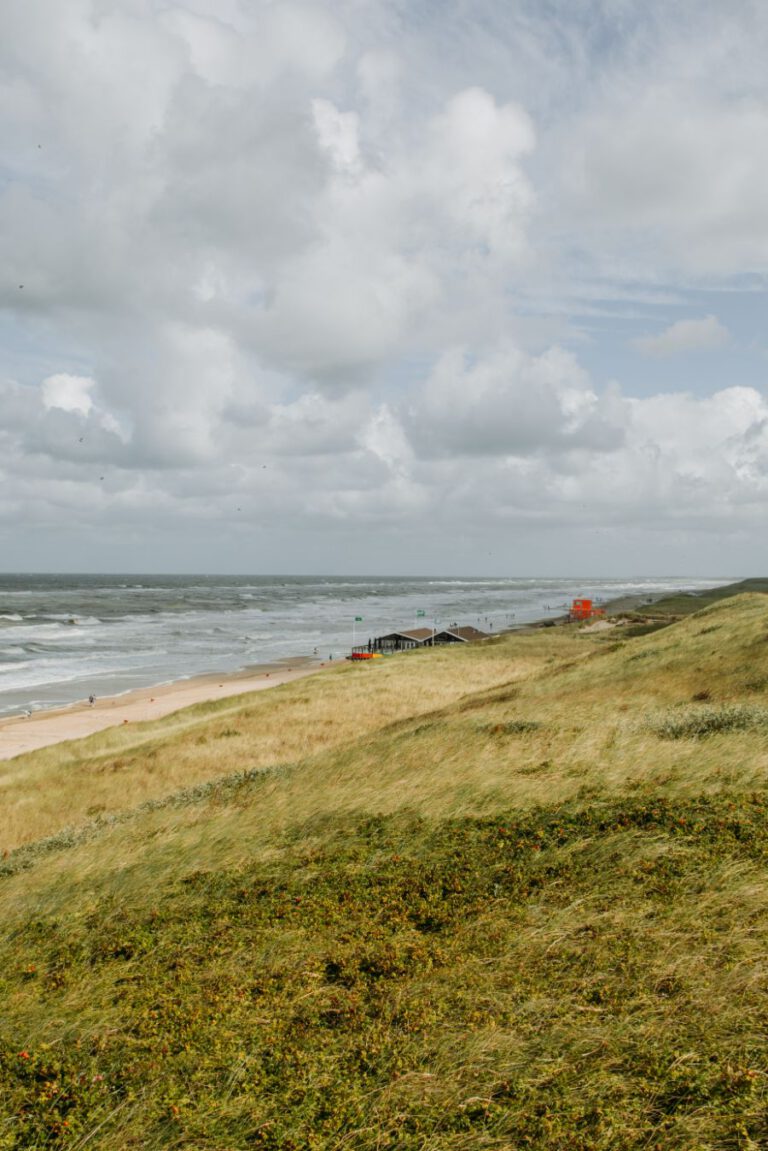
<point>696,723</point>
<point>505,911</point>
<point>580,978</point>
<point>123,767</point>
<point>680,604</point>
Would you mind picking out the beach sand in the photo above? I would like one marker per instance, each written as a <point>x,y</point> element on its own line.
<point>43,728</point>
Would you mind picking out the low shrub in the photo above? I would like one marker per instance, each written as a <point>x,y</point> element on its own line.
<point>638,629</point>
<point>511,727</point>
<point>705,721</point>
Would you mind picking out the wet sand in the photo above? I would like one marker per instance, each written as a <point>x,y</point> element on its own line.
<point>44,728</point>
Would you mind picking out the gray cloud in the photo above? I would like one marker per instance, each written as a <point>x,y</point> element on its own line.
<point>508,404</point>
<point>350,264</point>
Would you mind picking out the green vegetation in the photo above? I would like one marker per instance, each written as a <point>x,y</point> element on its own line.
<point>649,628</point>
<point>686,603</point>
<point>122,768</point>
<point>530,913</point>
<point>695,723</point>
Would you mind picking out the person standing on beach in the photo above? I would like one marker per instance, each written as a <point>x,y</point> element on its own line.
<point>91,700</point>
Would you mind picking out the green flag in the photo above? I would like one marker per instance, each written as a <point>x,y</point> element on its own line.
<point>358,619</point>
<point>420,613</point>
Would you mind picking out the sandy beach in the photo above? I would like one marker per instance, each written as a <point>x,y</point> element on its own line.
<point>50,726</point>
<point>44,728</point>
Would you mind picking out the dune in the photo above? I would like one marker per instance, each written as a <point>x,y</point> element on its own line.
<point>510,895</point>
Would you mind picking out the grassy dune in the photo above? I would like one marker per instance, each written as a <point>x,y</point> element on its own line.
<point>509,896</point>
<point>686,602</point>
<point>120,768</point>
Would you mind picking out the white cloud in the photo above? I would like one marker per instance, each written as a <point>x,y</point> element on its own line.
<point>473,169</point>
<point>256,45</point>
<point>508,403</point>
<point>430,208</point>
<point>659,173</point>
<point>69,393</point>
<point>338,133</point>
<point>685,336</point>
<point>329,262</point>
<point>314,425</point>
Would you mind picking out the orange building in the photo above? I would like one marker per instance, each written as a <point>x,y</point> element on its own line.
<point>582,609</point>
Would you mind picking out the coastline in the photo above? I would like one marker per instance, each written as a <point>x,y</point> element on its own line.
<point>47,727</point>
<point>611,607</point>
<point>21,734</point>
<point>646,603</point>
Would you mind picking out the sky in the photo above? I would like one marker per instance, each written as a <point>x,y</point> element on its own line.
<point>384,286</point>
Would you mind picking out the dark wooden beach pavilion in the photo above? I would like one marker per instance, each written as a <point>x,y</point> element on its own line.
<point>402,640</point>
<point>409,639</point>
<point>459,635</point>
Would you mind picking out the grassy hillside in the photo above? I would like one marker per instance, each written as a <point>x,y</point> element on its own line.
<point>509,896</point>
<point>686,602</point>
<point>123,767</point>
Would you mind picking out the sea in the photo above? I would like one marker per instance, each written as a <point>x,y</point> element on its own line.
<point>65,637</point>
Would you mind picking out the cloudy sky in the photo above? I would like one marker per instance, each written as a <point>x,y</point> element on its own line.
<point>396,286</point>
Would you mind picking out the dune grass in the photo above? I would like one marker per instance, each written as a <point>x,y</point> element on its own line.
<point>123,767</point>
<point>526,908</point>
<point>573,978</point>
<point>680,604</point>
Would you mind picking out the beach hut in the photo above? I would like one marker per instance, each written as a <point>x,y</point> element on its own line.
<point>403,640</point>
<point>424,637</point>
<point>459,635</point>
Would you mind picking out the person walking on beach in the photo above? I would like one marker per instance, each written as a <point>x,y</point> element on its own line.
<point>91,700</point>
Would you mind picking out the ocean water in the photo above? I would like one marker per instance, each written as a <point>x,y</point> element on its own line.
<point>63,637</point>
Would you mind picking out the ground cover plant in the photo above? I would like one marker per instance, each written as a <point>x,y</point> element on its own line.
<point>531,981</point>
<point>522,917</point>
<point>698,722</point>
